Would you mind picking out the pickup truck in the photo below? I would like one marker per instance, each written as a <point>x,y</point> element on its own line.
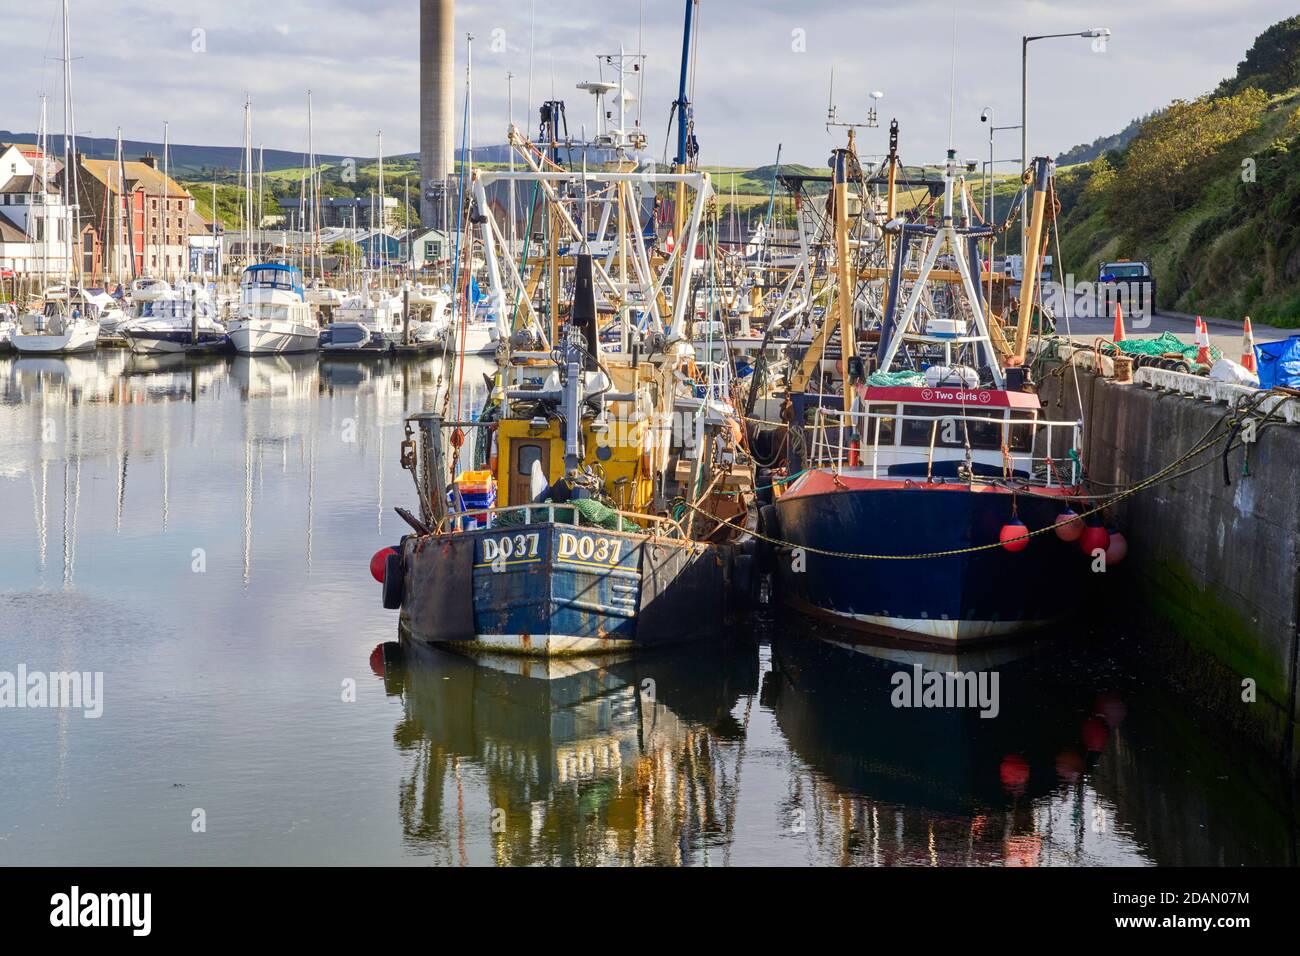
<point>1137,277</point>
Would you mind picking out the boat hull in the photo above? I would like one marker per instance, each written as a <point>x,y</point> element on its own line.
<point>272,338</point>
<point>976,596</point>
<point>352,338</point>
<point>80,339</point>
<point>553,589</point>
<point>166,342</point>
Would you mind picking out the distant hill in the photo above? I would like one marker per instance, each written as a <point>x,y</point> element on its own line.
<point>1086,152</point>
<point>1207,190</point>
<point>185,160</point>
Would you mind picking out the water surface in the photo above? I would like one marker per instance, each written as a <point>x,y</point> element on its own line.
<point>200,532</point>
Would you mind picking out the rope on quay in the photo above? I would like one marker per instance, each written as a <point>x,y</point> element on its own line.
<point>1164,474</point>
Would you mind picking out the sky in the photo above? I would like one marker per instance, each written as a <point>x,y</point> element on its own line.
<point>762,73</point>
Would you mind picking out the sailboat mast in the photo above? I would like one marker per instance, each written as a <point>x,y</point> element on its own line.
<point>69,150</point>
<point>166,202</point>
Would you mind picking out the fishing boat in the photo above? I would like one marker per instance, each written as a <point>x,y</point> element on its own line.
<point>917,498</point>
<point>273,316</point>
<point>564,519</point>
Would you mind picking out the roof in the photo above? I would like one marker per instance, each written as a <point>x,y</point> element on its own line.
<point>10,231</point>
<point>24,184</point>
<point>140,174</point>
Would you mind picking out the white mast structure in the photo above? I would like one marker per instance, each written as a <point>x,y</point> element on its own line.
<point>70,157</point>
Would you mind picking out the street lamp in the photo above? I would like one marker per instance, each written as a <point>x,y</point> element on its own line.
<point>987,117</point>
<point>1093,34</point>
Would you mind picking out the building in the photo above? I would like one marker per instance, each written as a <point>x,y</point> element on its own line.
<point>206,243</point>
<point>343,212</point>
<point>156,231</point>
<point>381,248</point>
<point>35,222</point>
<point>426,248</point>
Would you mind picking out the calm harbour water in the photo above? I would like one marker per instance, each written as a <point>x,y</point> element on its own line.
<point>200,534</point>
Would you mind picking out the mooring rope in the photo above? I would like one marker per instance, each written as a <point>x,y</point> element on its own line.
<point>1231,419</point>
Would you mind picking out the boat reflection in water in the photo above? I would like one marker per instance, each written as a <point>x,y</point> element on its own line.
<point>581,761</point>
<point>974,784</point>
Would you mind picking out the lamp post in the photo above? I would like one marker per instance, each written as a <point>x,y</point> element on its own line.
<point>987,117</point>
<point>1094,33</point>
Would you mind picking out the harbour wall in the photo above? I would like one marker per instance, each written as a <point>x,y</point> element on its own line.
<point>1211,584</point>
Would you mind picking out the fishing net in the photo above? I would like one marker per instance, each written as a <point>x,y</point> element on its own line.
<point>1166,343</point>
<point>888,379</point>
<point>589,512</point>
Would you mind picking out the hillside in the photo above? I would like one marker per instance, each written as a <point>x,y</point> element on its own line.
<point>1208,191</point>
<point>1087,152</point>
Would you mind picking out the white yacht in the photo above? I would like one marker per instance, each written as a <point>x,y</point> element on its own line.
<point>274,316</point>
<point>369,322</point>
<point>55,332</point>
<point>182,320</point>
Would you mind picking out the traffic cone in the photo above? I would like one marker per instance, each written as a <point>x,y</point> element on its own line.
<point>1118,335</point>
<point>1202,342</point>
<point>1248,347</point>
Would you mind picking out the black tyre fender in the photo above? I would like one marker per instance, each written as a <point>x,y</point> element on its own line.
<point>394,581</point>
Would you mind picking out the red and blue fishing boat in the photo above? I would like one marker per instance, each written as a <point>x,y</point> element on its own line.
<point>932,500</point>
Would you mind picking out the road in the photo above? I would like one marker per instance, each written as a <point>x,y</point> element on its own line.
<point>1224,335</point>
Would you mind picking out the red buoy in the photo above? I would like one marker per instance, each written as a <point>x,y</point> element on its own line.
<point>1014,535</point>
<point>1094,538</point>
<point>1117,547</point>
<point>1095,733</point>
<point>1069,526</point>
<point>377,563</point>
<point>1014,773</point>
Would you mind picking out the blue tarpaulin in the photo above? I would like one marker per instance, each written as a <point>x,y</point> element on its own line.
<point>1279,363</point>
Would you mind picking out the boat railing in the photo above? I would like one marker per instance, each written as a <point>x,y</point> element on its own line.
<point>553,512</point>
<point>842,440</point>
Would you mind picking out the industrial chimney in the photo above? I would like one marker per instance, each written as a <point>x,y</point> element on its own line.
<point>437,85</point>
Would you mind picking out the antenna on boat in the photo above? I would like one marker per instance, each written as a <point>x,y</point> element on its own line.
<point>952,83</point>
<point>832,111</point>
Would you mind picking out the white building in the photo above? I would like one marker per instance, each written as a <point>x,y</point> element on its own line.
<point>35,222</point>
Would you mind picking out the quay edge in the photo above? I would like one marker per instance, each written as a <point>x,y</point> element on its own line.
<point>1211,584</point>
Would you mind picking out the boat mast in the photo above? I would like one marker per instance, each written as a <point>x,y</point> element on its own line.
<point>70,152</point>
<point>846,162</point>
<point>166,201</point>
<point>44,145</point>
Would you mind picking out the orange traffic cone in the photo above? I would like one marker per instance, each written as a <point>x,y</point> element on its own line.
<point>1248,347</point>
<point>1118,334</point>
<point>1202,342</point>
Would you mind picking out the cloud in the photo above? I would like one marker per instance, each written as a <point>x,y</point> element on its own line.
<point>762,68</point>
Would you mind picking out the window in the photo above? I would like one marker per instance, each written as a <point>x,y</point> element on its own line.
<point>528,456</point>
<point>952,430</point>
<point>880,430</point>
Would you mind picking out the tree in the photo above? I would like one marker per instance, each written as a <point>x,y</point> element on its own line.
<point>1169,162</point>
<point>1273,63</point>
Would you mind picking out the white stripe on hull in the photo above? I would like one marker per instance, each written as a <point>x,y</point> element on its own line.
<point>542,645</point>
<point>942,631</point>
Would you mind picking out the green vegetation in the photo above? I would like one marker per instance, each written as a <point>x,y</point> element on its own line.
<point>1208,191</point>
<point>1087,152</point>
